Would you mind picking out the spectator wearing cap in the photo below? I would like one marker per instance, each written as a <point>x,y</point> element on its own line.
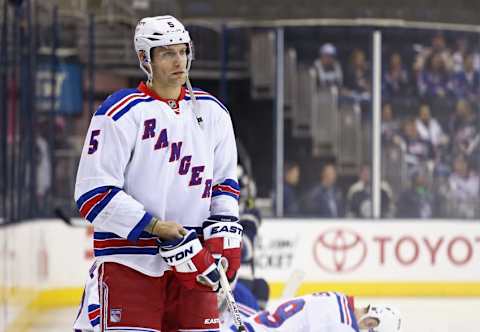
<point>329,70</point>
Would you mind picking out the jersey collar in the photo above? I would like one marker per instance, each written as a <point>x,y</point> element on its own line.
<point>173,103</point>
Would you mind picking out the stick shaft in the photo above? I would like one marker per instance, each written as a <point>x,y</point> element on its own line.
<point>231,303</point>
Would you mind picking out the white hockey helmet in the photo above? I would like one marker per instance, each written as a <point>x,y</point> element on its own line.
<point>159,31</point>
<point>389,318</point>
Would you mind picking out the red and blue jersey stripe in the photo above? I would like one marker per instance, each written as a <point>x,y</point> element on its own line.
<point>346,314</point>
<point>105,244</point>
<point>202,95</point>
<point>119,103</point>
<point>199,330</point>
<point>228,187</point>
<point>246,310</point>
<point>94,201</point>
<point>94,314</point>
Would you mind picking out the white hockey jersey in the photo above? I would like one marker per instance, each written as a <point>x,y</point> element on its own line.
<point>146,156</point>
<point>318,312</point>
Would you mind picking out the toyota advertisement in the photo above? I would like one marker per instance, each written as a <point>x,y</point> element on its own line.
<point>363,258</point>
<point>369,251</point>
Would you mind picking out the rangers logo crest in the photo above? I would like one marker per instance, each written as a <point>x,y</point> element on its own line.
<point>115,315</point>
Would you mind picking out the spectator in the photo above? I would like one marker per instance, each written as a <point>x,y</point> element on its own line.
<point>434,79</point>
<point>466,82</point>
<point>418,151</point>
<point>329,70</point>
<point>428,128</point>
<point>416,201</point>
<point>390,126</point>
<point>459,54</point>
<point>395,80</point>
<point>464,131</point>
<point>359,197</point>
<point>324,200</point>
<point>290,189</point>
<point>438,45</point>
<point>358,75</point>
<point>463,190</point>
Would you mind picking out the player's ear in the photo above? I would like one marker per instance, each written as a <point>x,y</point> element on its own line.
<point>143,60</point>
<point>142,57</point>
<point>368,323</point>
<point>371,322</point>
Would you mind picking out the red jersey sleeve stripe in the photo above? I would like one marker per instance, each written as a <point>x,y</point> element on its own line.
<point>115,243</point>
<point>89,204</point>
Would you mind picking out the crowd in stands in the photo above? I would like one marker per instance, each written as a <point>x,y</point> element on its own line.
<point>429,114</point>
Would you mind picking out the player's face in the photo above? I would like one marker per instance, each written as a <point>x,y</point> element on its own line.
<point>169,65</point>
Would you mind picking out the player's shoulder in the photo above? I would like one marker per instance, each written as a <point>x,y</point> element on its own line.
<point>330,295</point>
<point>206,98</point>
<point>341,304</point>
<point>121,102</point>
<point>330,299</point>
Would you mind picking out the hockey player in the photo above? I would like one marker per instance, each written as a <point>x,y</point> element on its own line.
<point>157,179</point>
<point>317,312</point>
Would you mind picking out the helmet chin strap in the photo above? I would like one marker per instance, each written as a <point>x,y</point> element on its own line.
<point>194,103</point>
<point>149,72</point>
<point>146,67</point>
<point>190,90</point>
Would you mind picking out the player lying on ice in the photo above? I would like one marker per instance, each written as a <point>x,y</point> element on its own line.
<point>157,180</point>
<point>317,312</point>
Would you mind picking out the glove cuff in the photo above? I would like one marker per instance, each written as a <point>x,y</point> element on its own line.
<point>230,232</point>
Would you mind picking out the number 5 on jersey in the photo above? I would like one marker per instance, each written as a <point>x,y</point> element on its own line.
<point>93,145</point>
<point>283,312</point>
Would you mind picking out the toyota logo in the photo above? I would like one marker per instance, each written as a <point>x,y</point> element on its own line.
<point>339,250</point>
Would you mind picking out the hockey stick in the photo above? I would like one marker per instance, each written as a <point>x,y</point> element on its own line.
<point>63,216</point>
<point>293,284</point>
<point>247,167</point>
<point>72,222</point>
<point>231,303</point>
